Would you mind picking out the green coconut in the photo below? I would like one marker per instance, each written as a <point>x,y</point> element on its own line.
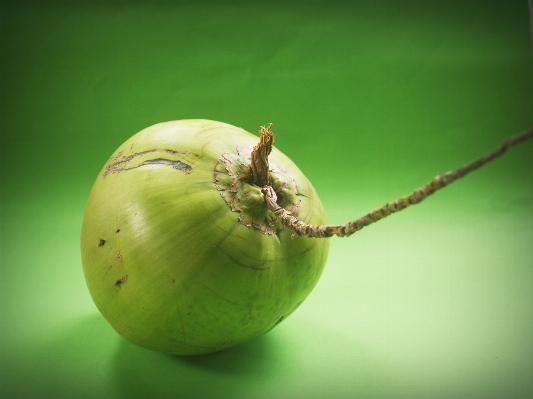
<point>180,251</point>
<point>197,238</point>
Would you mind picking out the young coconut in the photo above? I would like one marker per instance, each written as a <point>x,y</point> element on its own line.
<point>188,240</point>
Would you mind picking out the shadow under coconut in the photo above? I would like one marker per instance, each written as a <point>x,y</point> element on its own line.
<point>231,373</point>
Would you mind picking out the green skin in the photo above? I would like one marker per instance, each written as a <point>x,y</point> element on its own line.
<point>167,260</point>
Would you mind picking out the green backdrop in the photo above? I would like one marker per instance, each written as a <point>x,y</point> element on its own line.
<point>371,99</point>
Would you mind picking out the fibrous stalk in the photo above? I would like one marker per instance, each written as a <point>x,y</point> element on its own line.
<point>343,230</point>
<point>259,157</point>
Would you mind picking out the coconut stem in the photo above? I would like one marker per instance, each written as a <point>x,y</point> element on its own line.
<point>259,157</point>
<point>302,229</point>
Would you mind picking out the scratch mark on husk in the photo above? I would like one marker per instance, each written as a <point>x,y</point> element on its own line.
<point>119,163</point>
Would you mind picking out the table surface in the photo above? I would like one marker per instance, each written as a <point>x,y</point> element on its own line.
<point>370,100</point>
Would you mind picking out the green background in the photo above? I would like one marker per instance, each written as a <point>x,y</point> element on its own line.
<point>371,100</point>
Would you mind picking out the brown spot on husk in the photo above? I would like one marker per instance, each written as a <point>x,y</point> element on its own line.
<point>121,281</point>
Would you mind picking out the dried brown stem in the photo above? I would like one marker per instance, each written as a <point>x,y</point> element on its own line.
<point>344,230</point>
<point>259,157</point>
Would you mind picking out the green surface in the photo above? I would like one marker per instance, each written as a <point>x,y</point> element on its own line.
<point>369,99</point>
